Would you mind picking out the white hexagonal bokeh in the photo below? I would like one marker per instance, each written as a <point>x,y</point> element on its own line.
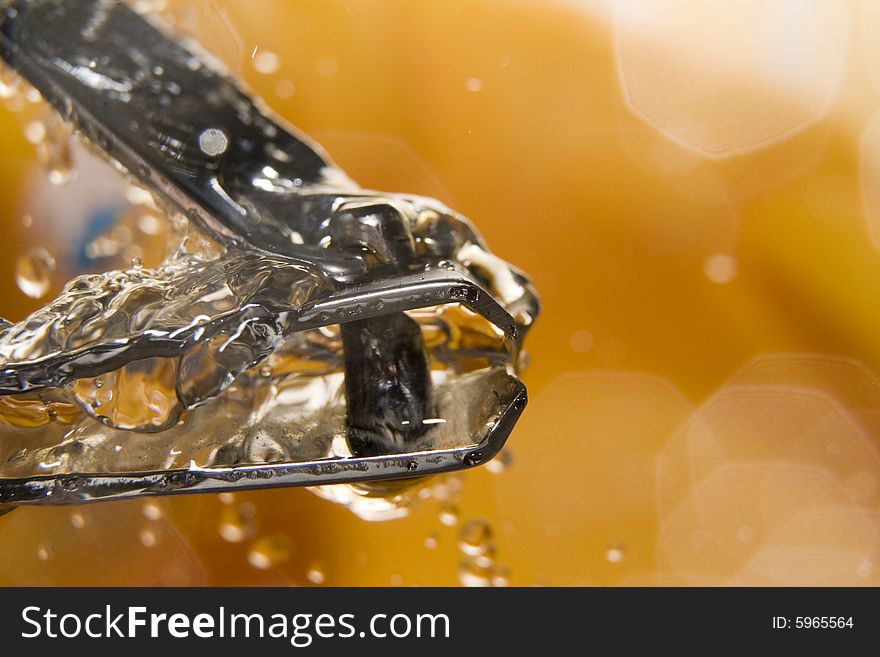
<point>790,437</point>
<point>726,78</point>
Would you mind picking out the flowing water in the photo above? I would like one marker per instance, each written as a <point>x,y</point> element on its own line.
<point>223,354</point>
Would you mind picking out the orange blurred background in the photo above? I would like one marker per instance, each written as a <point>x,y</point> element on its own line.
<point>695,189</point>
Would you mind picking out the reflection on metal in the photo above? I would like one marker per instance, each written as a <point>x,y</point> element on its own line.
<point>312,269</point>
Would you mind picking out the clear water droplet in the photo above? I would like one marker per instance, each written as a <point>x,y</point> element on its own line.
<point>615,553</point>
<point>474,85</point>
<point>152,510</point>
<point>475,538</point>
<point>478,547</point>
<point>865,569</point>
<point>721,268</point>
<point>237,523</point>
<point>148,538</point>
<point>501,576</point>
<point>266,62</point>
<point>55,151</point>
<point>33,272</point>
<point>33,96</point>
<point>269,551</point>
<point>149,6</point>
<point>35,132</point>
<point>316,573</point>
<point>449,515</point>
<point>10,83</point>
<point>472,575</point>
<point>501,462</point>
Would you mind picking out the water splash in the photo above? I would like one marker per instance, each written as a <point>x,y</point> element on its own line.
<point>222,354</point>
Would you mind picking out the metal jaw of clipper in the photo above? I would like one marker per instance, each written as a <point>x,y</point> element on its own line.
<point>498,413</point>
<point>148,103</point>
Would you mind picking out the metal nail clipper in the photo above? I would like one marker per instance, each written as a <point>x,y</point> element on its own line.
<point>359,282</point>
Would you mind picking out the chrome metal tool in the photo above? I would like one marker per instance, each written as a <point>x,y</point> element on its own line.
<point>361,269</point>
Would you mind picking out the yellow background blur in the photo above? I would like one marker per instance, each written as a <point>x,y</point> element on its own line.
<point>695,189</point>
